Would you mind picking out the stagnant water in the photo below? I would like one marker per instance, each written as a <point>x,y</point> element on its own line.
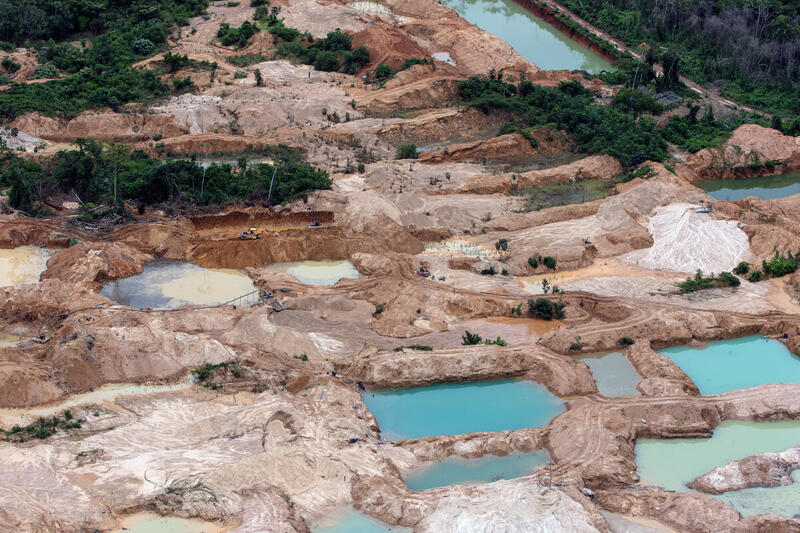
<point>534,39</point>
<point>613,373</point>
<point>23,264</point>
<point>671,463</point>
<point>153,523</point>
<point>456,408</point>
<point>319,272</point>
<point>766,187</point>
<point>166,284</point>
<point>348,520</point>
<point>484,469</point>
<point>723,366</point>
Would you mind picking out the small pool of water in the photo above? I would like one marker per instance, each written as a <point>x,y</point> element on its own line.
<point>613,373</point>
<point>9,340</point>
<point>671,463</point>
<point>319,272</point>
<point>349,520</point>
<point>484,469</point>
<point>456,408</point>
<point>166,284</point>
<point>513,330</point>
<point>534,39</point>
<point>766,187</point>
<point>153,523</point>
<point>23,264</point>
<point>723,366</point>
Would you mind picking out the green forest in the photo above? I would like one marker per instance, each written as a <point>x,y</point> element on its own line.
<point>104,173</point>
<point>107,36</point>
<point>751,47</point>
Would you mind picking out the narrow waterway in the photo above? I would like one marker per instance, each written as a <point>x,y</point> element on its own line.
<point>484,469</point>
<point>534,39</point>
<point>613,373</point>
<point>765,188</point>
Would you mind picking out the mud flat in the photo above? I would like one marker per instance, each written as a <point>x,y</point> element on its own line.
<point>22,264</point>
<point>169,284</point>
<point>153,523</point>
<point>673,463</point>
<point>456,408</point>
<point>723,366</point>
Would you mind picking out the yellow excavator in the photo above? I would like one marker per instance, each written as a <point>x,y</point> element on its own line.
<point>251,234</point>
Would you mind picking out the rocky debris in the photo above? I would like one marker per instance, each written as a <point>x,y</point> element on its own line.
<point>472,445</point>
<point>508,148</point>
<point>764,470</point>
<point>42,301</point>
<point>661,377</point>
<point>599,167</point>
<point>746,153</point>
<point>408,367</point>
<point>95,262</point>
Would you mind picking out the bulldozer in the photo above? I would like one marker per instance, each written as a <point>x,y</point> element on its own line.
<point>251,234</point>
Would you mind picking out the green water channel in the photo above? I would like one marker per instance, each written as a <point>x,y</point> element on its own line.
<point>319,272</point>
<point>723,366</point>
<point>534,39</point>
<point>766,188</point>
<point>166,284</point>
<point>613,373</point>
<point>484,469</point>
<point>456,408</point>
<point>671,463</point>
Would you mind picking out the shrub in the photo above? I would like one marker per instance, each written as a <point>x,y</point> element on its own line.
<point>549,262</point>
<point>545,309</point>
<point>532,261</point>
<point>488,271</point>
<point>383,71</point>
<point>626,341</point>
<point>755,276</point>
<point>406,151</point>
<point>238,37</point>
<point>501,244</point>
<point>577,345</point>
<point>143,47</point>
<point>420,347</point>
<point>742,268</point>
<point>470,339</point>
<point>499,341</point>
<point>729,279</point>
<point>781,265</point>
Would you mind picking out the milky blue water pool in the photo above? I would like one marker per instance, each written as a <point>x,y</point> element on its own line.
<point>671,463</point>
<point>456,408</point>
<point>351,521</point>
<point>613,373</point>
<point>724,366</point>
<point>484,469</point>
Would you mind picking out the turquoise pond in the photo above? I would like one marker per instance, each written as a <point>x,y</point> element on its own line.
<point>613,373</point>
<point>456,408</point>
<point>723,366</point>
<point>351,521</point>
<point>484,469</point>
<point>766,188</point>
<point>534,39</point>
<point>671,463</point>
